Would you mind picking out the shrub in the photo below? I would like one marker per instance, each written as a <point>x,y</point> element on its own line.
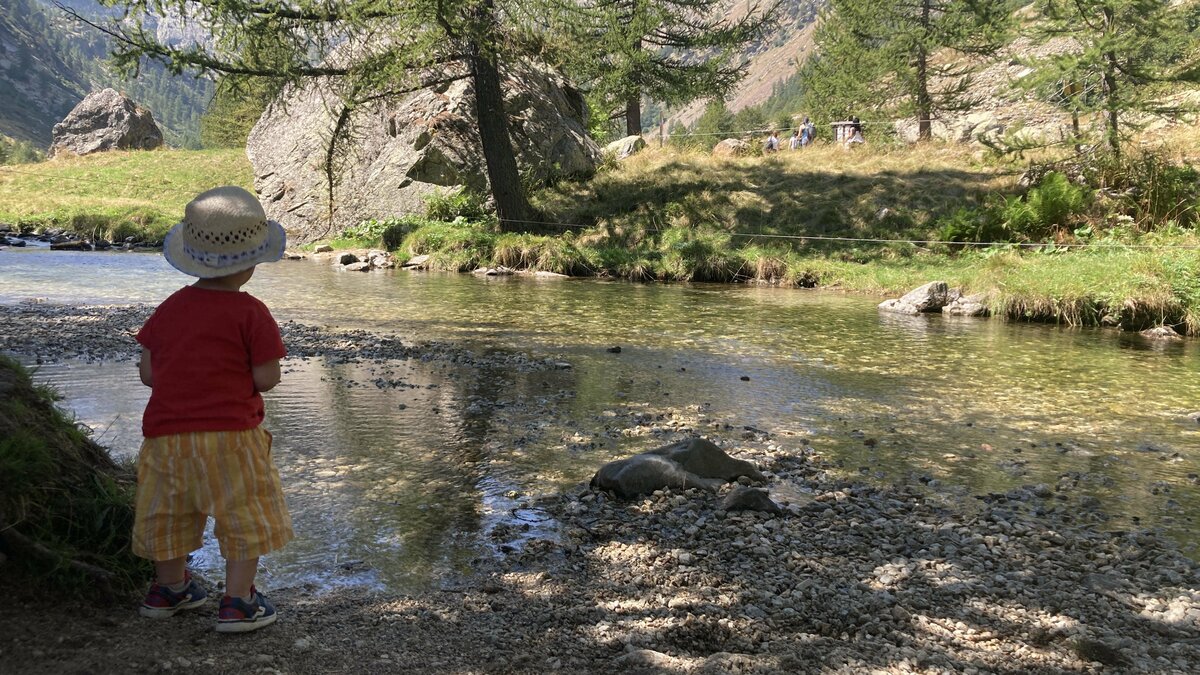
<point>987,223</point>
<point>560,255</point>
<point>518,251</point>
<point>440,237</point>
<point>461,203</point>
<point>1155,190</point>
<point>396,229</point>
<point>697,255</point>
<point>1054,201</point>
<point>625,263</point>
<point>765,263</point>
<point>368,229</point>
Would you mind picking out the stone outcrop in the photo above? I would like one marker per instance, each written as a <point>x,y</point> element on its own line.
<point>105,120</point>
<point>931,297</point>
<point>625,147</point>
<point>397,152</point>
<point>731,147</point>
<point>968,305</point>
<point>691,463</point>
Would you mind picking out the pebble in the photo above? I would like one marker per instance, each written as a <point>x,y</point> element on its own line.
<point>105,333</point>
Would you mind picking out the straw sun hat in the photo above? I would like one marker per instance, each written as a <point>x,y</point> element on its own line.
<point>224,231</point>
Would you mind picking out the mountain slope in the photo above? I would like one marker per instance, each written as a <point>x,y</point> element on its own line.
<point>37,86</point>
<point>49,62</point>
<point>770,61</point>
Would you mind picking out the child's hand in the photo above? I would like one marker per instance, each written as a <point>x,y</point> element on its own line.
<point>144,369</point>
<point>266,375</point>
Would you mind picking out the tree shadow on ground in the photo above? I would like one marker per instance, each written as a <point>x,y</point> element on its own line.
<point>776,197</point>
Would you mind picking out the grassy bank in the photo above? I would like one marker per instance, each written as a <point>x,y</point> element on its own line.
<point>671,215</point>
<point>66,510</point>
<point>677,216</point>
<point>114,195</point>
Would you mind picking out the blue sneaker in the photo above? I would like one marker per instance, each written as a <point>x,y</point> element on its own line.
<point>161,602</point>
<point>239,616</point>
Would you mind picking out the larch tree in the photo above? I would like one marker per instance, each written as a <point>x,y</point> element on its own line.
<point>1122,59</point>
<point>671,51</point>
<point>370,50</point>
<point>901,53</point>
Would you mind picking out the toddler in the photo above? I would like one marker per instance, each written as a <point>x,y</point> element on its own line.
<point>208,351</point>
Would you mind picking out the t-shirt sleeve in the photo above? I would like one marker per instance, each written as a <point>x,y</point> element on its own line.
<point>145,336</point>
<point>266,344</point>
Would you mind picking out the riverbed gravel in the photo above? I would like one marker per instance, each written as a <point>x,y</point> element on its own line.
<point>54,332</point>
<point>849,577</point>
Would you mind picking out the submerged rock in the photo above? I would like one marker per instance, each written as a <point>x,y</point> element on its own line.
<point>1163,332</point>
<point>73,245</point>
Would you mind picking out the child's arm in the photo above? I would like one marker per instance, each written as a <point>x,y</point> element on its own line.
<point>266,375</point>
<point>144,369</point>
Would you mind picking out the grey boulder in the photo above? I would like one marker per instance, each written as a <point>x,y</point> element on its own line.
<point>105,120</point>
<point>396,152</point>
<point>691,463</point>
<point>625,147</point>
<point>731,147</point>
<point>750,499</point>
<point>968,305</point>
<point>928,298</point>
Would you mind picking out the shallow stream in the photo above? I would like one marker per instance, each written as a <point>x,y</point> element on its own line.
<point>397,473</point>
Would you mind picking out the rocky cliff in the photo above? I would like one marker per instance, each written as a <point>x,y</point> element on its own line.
<point>395,153</point>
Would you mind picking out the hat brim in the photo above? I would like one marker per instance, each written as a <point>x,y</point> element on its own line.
<point>180,260</point>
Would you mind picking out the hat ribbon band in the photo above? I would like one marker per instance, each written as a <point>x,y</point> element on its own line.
<point>224,259</point>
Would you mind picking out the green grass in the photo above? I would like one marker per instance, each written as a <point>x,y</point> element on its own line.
<point>115,195</point>
<point>677,216</point>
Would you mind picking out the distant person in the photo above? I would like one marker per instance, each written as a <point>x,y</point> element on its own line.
<point>795,143</point>
<point>208,351</point>
<point>808,133</point>
<point>856,133</point>
<point>772,142</point>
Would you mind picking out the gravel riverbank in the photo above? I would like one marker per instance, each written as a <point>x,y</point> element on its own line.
<point>849,578</point>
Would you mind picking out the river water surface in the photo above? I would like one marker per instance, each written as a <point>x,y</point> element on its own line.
<point>397,473</point>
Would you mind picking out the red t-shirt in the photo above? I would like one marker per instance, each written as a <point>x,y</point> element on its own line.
<point>202,345</point>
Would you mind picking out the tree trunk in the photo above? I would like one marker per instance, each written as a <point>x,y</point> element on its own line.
<point>1111,104</point>
<point>633,104</point>
<point>505,181</point>
<point>1112,112</point>
<point>633,115</point>
<point>924,102</point>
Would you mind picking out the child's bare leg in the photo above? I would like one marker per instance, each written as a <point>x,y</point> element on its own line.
<point>170,572</point>
<point>239,577</point>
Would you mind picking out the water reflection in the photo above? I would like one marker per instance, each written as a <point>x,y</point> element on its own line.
<point>408,476</point>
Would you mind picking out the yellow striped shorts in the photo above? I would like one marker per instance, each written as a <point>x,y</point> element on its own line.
<point>184,478</point>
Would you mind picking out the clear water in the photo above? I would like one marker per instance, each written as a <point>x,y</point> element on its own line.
<point>396,485</point>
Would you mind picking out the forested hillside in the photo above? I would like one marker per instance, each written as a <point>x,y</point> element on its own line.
<point>49,62</point>
<point>770,62</point>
